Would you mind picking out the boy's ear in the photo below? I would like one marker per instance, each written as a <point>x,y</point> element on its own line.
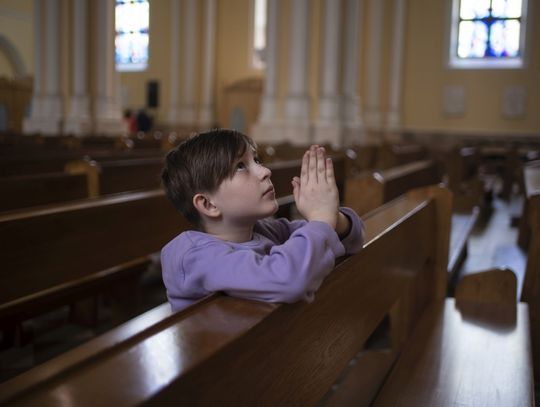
<point>205,206</point>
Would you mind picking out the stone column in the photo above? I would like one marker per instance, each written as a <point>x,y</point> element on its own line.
<point>108,115</point>
<point>296,126</point>
<point>48,114</point>
<point>174,113</point>
<point>268,126</point>
<point>206,116</point>
<point>269,102</point>
<point>187,112</point>
<point>373,117</point>
<point>31,124</point>
<point>352,106</point>
<point>328,127</point>
<point>393,118</point>
<point>78,121</point>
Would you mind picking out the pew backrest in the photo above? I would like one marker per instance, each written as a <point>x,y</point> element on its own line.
<point>46,248</point>
<point>34,190</point>
<point>109,177</point>
<point>369,190</point>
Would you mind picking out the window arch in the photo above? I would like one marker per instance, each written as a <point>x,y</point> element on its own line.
<point>487,33</point>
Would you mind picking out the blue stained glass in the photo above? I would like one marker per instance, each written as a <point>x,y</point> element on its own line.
<point>489,29</point>
<point>472,41</point>
<point>474,9</point>
<point>506,8</point>
<point>504,39</point>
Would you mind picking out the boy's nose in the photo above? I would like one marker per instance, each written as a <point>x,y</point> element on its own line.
<point>265,172</point>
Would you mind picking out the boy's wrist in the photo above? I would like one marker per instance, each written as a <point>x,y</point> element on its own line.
<point>343,225</point>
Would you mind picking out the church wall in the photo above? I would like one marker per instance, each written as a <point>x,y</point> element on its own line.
<point>426,75</point>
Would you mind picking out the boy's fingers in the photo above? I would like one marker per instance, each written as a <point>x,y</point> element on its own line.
<point>321,166</point>
<point>330,171</point>
<point>312,166</point>
<point>304,173</point>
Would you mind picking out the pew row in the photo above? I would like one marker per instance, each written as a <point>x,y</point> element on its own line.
<point>370,190</point>
<point>26,191</point>
<point>227,351</point>
<point>531,285</point>
<point>58,254</point>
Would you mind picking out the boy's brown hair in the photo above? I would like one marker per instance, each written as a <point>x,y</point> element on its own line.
<point>199,165</point>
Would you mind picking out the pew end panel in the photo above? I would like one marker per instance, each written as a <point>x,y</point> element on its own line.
<point>227,351</point>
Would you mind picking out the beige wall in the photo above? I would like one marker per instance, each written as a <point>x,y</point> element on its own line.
<point>426,74</point>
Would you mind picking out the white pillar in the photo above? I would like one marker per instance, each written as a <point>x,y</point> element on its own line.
<point>269,101</point>
<point>108,115</point>
<point>352,106</point>
<point>393,119</point>
<point>373,118</point>
<point>187,113</point>
<point>47,113</point>
<point>78,120</point>
<point>174,112</point>
<point>297,104</point>
<point>328,128</point>
<point>31,124</point>
<point>206,117</point>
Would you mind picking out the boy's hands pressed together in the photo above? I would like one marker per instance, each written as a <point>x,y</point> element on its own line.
<point>315,192</point>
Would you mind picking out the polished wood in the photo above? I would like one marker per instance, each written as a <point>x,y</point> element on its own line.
<point>531,286</point>
<point>465,355</point>
<point>393,155</point>
<point>109,177</point>
<point>497,286</point>
<point>33,190</point>
<point>369,190</point>
<point>226,351</point>
<point>48,250</point>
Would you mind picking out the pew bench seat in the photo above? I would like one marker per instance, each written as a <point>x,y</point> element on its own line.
<point>464,354</point>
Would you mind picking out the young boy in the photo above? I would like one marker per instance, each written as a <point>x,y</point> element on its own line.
<point>217,182</point>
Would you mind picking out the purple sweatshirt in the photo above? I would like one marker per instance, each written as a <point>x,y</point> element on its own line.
<point>284,262</point>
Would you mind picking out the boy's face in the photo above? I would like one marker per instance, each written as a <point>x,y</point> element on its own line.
<point>247,196</point>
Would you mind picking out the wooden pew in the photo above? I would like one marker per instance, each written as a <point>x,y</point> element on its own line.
<point>56,255</point>
<point>370,190</point>
<point>530,188</point>
<point>226,351</point>
<point>531,286</point>
<point>462,168</point>
<point>33,190</point>
<point>109,177</point>
<point>392,155</point>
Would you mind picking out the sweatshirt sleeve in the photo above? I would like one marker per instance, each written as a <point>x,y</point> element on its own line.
<point>354,240</point>
<point>290,271</point>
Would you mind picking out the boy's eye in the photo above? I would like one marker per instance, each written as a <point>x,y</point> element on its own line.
<point>240,166</point>
<point>257,160</point>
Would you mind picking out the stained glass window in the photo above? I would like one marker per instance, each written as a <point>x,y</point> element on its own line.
<point>132,21</point>
<point>488,31</point>
<point>259,34</point>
